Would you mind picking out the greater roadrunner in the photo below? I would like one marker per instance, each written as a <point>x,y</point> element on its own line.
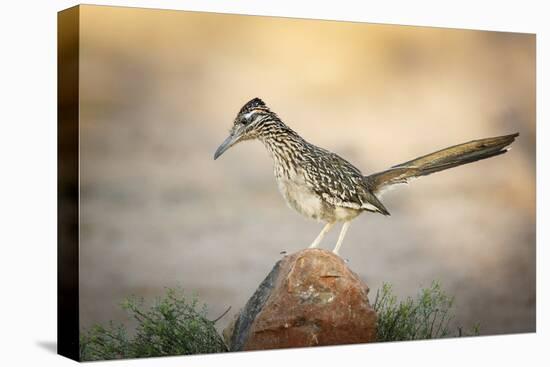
<point>321,185</point>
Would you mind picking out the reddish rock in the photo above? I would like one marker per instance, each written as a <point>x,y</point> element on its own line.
<point>309,298</point>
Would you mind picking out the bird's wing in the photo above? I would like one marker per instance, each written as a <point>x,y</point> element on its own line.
<point>339,183</point>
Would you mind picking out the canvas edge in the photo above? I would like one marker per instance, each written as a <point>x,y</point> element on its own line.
<point>68,42</point>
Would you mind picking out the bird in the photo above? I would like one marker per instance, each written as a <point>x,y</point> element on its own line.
<point>323,186</point>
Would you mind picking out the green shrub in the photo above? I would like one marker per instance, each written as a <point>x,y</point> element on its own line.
<point>172,326</point>
<point>175,325</point>
<point>425,317</point>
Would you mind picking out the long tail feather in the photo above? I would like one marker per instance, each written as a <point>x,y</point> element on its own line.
<point>456,155</point>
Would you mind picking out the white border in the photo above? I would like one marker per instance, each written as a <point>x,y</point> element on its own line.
<point>28,184</point>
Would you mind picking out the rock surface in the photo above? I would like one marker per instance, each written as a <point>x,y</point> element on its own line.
<point>309,298</point>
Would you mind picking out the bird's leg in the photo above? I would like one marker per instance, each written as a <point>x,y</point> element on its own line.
<point>319,238</point>
<point>341,237</point>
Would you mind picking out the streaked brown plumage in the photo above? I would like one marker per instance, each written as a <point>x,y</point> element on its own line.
<point>323,186</point>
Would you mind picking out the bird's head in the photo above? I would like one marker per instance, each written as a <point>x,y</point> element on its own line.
<point>251,122</point>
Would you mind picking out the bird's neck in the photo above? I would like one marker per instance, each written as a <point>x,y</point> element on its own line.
<point>284,145</point>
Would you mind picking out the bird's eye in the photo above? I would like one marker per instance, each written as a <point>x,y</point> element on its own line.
<point>248,117</point>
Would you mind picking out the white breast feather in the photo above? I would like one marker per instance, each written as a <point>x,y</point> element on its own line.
<point>300,198</point>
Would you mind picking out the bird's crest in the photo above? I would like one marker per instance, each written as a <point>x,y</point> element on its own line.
<point>253,104</point>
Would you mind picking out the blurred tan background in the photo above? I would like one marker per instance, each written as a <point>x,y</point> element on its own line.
<point>159,91</point>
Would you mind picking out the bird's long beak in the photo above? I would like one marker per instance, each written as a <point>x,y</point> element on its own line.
<point>227,143</point>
